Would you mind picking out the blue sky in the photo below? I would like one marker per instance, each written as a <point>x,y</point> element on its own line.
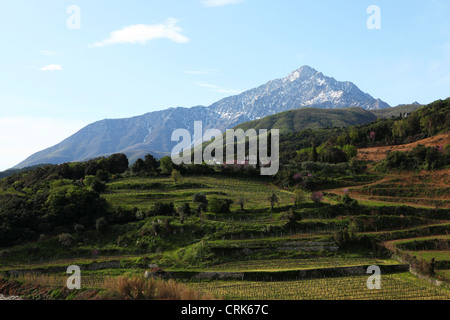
<point>132,57</point>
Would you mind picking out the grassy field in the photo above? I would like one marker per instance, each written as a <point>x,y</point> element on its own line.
<point>426,248</point>
<point>428,255</point>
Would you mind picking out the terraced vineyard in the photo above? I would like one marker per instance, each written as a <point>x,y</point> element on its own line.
<point>259,242</point>
<point>296,264</point>
<point>433,250</point>
<point>393,287</point>
<point>142,192</point>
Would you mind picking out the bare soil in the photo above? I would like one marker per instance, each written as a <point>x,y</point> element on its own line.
<point>379,153</point>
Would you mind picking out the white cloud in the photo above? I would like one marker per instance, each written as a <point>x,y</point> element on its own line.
<point>51,67</point>
<point>217,88</point>
<point>20,137</point>
<point>142,33</point>
<point>219,3</point>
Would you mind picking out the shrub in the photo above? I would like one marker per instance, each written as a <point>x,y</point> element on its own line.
<point>341,238</point>
<point>123,215</point>
<point>201,200</point>
<point>292,217</point>
<point>79,228</point>
<point>65,240</point>
<point>101,223</point>
<point>217,205</point>
<point>176,175</point>
<point>184,211</point>
<point>180,212</point>
<point>163,209</point>
<point>348,201</point>
<point>421,157</point>
<point>140,288</point>
<point>98,186</point>
<point>102,175</point>
<point>317,197</point>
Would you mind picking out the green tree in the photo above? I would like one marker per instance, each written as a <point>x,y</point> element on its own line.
<point>298,197</point>
<point>350,151</point>
<point>354,135</point>
<point>201,200</point>
<point>217,205</point>
<point>348,201</point>
<point>353,230</point>
<point>117,163</point>
<point>166,165</point>
<point>102,175</point>
<point>176,175</point>
<point>292,217</point>
<point>98,186</point>
<point>314,152</point>
<point>400,129</point>
<point>163,209</point>
<point>241,202</point>
<point>138,167</point>
<point>151,164</point>
<point>273,199</point>
<point>87,181</point>
<point>186,209</point>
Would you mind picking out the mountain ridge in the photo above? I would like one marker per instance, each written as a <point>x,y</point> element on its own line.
<point>151,132</point>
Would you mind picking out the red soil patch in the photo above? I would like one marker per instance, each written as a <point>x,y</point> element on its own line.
<point>426,179</point>
<point>379,153</point>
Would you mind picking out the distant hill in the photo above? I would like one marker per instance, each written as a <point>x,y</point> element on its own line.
<point>10,172</point>
<point>396,111</point>
<point>311,118</point>
<point>299,127</point>
<point>425,122</point>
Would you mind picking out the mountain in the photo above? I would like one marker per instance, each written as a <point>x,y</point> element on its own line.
<point>151,132</point>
